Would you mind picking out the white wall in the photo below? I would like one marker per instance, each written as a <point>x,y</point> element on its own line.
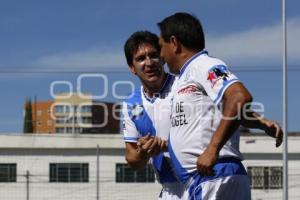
<point>40,187</point>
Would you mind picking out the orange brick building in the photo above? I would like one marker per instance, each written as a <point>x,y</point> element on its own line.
<point>41,117</point>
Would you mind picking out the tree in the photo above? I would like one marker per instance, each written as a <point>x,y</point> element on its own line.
<point>28,125</point>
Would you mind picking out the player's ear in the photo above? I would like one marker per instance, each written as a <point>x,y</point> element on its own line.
<point>176,45</point>
<point>132,69</point>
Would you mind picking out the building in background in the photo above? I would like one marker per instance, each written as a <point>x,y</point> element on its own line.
<point>89,167</point>
<point>73,113</point>
<point>42,122</point>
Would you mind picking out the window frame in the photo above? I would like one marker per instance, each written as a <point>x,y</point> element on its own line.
<point>126,174</point>
<point>11,172</point>
<point>55,170</point>
<point>267,176</point>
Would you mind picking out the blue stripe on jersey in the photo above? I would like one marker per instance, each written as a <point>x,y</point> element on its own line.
<point>142,121</point>
<point>180,172</point>
<point>144,125</point>
<point>223,168</point>
<point>190,60</point>
<point>163,169</point>
<point>222,90</point>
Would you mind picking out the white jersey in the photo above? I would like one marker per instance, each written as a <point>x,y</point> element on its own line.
<point>196,113</point>
<point>143,116</point>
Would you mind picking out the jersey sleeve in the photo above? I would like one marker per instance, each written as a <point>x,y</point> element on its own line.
<point>130,132</point>
<point>215,78</point>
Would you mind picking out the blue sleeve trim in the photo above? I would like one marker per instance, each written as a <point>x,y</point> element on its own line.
<point>221,92</point>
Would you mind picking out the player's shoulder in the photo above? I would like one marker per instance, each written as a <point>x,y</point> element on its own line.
<point>206,62</point>
<point>209,60</point>
<point>134,97</point>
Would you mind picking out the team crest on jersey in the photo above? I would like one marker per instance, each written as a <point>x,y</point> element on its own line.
<point>216,73</point>
<point>137,110</point>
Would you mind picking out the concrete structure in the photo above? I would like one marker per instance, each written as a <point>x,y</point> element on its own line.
<point>35,156</point>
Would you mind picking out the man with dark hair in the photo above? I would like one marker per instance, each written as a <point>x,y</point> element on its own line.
<point>209,104</point>
<point>147,112</point>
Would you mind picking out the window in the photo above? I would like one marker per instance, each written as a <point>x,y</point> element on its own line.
<point>125,174</point>
<point>67,109</point>
<point>86,109</point>
<point>8,172</point>
<point>75,109</point>
<point>62,109</point>
<point>86,120</point>
<point>265,177</point>
<point>69,130</point>
<point>59,109</point>
<point>69,172</point>
<point>60,130</point>
<point>77,130</point>
<point>70,120</point>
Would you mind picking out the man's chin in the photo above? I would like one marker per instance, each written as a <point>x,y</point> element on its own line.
<point>153,78</point>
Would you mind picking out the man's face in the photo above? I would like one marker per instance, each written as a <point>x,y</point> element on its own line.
<point>147,64</point>
<point>166,54</point>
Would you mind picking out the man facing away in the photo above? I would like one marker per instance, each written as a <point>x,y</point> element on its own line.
<point>147,112</point>
<point>209,104</point>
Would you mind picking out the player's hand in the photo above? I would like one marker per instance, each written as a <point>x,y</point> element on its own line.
<point>164,146</point>
<point>206,161</point>
<point>143,140</point>
<point>274,130</point>
<point>149,145</point>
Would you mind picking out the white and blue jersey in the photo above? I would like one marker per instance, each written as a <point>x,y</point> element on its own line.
<point>196,115</point>
<point>143,116</point>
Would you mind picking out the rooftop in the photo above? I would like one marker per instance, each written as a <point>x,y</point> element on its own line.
<point>249,143</point>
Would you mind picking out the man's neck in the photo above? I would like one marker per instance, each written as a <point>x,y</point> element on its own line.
<point>186,55</point>
<point>153,89</point>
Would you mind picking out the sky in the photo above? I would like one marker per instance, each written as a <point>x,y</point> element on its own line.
<point>62,40</point>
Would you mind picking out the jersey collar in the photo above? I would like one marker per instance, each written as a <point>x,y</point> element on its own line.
<point>185,65</point>
<point>163,88</point>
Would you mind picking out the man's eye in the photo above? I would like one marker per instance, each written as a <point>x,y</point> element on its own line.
<point>154,56</point>
<point>140,59</point>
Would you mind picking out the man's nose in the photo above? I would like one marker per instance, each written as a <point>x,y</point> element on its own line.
<point>148,61</point>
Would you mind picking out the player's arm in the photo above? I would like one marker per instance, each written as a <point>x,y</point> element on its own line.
<point>135,158</point>
<point>271,128</point>
<point>138,154</point>
<point>235,99</point>
<point>157,146</point>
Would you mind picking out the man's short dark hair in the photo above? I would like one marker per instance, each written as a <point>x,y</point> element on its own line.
<point>135,40</point>
<point>186,28</point>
